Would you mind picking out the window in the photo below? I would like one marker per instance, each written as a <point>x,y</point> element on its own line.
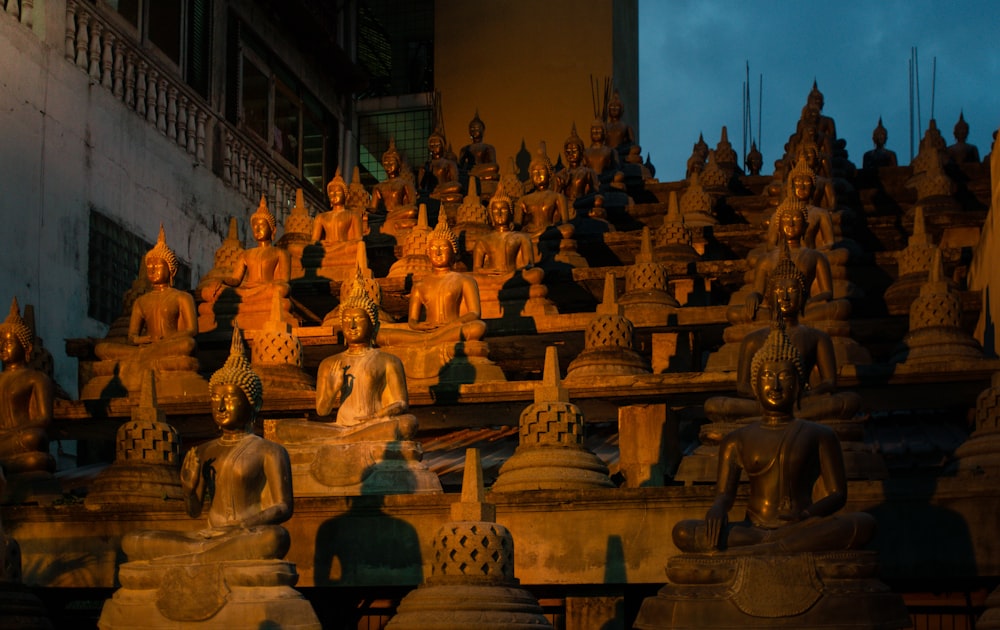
<point>409,128</point>
<point>177,30</point>
<point>115,258</point>
<point>265,99</point>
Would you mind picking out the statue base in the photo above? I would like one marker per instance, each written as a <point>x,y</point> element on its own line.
<point>835,590</point>
<point>358,468</point>
<point>175,377</point>
<point>235,594</point>
<point>453,364</point>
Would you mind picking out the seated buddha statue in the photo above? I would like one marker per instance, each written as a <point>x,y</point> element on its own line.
<point>246,478</point>
<point>618,134</point>
<point>162,327</point>
<point>438,178</point>
<point>543,208</point>
<point>578,181</point>
<point>783,457</point>
<point>478,158</point>
<point>825,195</point>
<point>442,339</point>
<point>962,152</point>
<point>258,274</point>
<point>785,297</point>
<point>26,396</point>
<point>337,233</point>
<point>879,156</point>
<point>819,225</point>
<point>395,197</point>
<point>792,222</point>
<point>601,157</point>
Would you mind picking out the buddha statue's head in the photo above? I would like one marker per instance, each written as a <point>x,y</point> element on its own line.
<point>501,209</point>
<point>815,98</point>
<point>809,150</point>
<point>615,106</point>
<point>755,160</point>
<point>359,319</point>
<point>776,373</point>
<point>791,218</point>
<point>961,129</point>
<point>161,262</point>
<point>336,191</point>
<point>573,148</point>
<point>391,160</point>
<point>16,338</point>
<point>263,225</point>
<point>786,288</point>
<point>597,131</point>
<point>436,144</point>
<point>236,391</point>
<point>880,135</point>
<point>540,168</point>
<point>442,246</point>
<point>476,128</point>
<point>802,180</point>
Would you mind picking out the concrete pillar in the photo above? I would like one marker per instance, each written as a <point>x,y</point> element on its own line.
<point>648,444</point>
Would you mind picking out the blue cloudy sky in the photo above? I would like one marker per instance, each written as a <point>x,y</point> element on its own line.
<point>693,55</point>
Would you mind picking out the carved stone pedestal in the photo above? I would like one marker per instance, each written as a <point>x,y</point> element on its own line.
<point>234,594</point>
<point>796,590</point>
<point>447,363</point>
<point>175,377</point>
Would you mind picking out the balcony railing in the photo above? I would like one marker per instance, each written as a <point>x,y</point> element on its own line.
<point>154,92</point>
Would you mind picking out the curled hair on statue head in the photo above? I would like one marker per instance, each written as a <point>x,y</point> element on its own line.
<point>15,324</point>
<point>237,371</point>
<point>778,347</point>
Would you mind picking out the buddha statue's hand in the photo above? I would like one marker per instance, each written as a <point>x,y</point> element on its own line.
<point>191,469</point>
<point>715,522</point>
<point>209,533</point>
<point>751,305</point>
<point>139,340</point>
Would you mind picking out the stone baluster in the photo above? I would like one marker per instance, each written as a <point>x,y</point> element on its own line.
<point>95,51</point>
<point>182,121</point>
<point>172,113</point>
<point>151,96</point>
<point>243,171</point>
<point>130,79</point>
<point>71,30</point>
<point>192,142</point>
<point>227,158</point>
<point>28,13</point>
<point>118,71</point>
<point>82,38</point>
<point>200,138</point>
<point>13,8</point>
<point>107,60</point>
<point>161,106</point>
<point>140,89</point>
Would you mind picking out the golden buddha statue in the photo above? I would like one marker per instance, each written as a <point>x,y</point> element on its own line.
<point>438,178</point>
<point>618,134</point>
<point>162,327</point>
<point>247,478</point>
<point>504,250</point>
<point>783,457</point>
<point>337,233</point>
<point>578,180</point>
<point>478,158</point>
<point>819,225</point>
<point>962,152</point>
<point>879,156</point>
<point>395,198</point>
<point>258,273</point>
<point>599,156</point>
<point>755,160</point>
<point>543,207</point>
<point>26,396</point>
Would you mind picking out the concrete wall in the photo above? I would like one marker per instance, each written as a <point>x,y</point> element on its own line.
<point>527,67</point>
<point>69,146</point>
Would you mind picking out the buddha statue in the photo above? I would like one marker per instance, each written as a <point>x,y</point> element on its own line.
<point>234,563</point>
<point>438,178</point>
<point>819,225</point>
<point>755,160</point>
<point>785,295</point>
<point>879,156</point>
<point>783,457</point>
<point>478,158</point>
<point>395,197</point>
<point>369,447</point>
<point>599,156</point>
<point>26,397</point>
<point>795,559</point>
<point>258,274</point>
<point>247,478</point>
<point>578,181</point>
<point>618,134</point>
<point>824,195</point>
<point>825,125</point>
<point>962,152</point>
<point>543,207</point>
<point>699,155</point>
<point>444,318</point>
<point>337,232</point>
<point>162,327</point>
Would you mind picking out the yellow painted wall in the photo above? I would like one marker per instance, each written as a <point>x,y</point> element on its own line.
<point>527,66</point>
